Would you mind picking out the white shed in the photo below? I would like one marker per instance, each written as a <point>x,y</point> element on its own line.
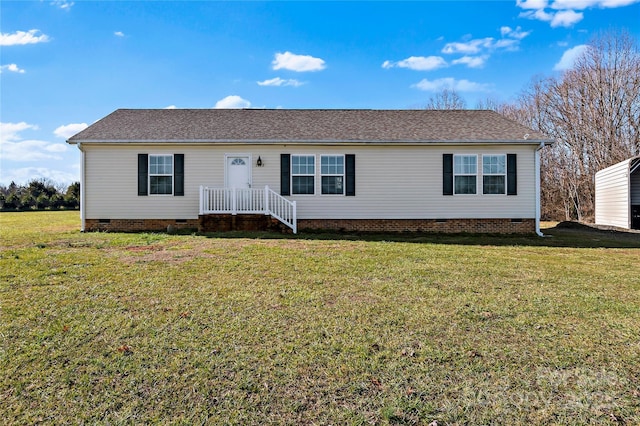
<point>618,195</point>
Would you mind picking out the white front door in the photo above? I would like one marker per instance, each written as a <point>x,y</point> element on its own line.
<point>238,171</point>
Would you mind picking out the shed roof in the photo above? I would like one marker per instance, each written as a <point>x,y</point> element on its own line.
<point>306,125</point>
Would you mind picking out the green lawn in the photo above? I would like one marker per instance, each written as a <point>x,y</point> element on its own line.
<point>316,329</point>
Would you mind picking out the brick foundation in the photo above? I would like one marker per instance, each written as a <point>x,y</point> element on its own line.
<point>227,222</point>
<point>138,225</point>
<point>491,226</point>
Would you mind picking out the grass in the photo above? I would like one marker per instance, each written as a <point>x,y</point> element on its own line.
<point>114,328</point>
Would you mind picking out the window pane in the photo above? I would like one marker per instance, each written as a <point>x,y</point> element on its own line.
<point>332,164</point>
<point>160,164</point>
<point>302,165</point>
<point>464,165</point>
<point>493,164</point>
<point>302,185</point>
<point>332,185</point>
<point>493,185</point>
<point>161,185</point>
<point>465,184</point>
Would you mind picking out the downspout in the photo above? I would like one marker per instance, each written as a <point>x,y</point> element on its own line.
<point>537,177</point>
<point>82,189</point>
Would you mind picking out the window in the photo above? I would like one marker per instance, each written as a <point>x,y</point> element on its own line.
<point>303,174</point>
<point>161,174</point>
<point>465,169</point>
<point>494,172</point>
<point>332,174</point>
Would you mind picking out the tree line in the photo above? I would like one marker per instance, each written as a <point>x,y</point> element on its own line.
<point>592,110</point>
<point>39,194</point>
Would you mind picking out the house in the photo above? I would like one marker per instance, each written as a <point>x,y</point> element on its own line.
<point>352,170</point>
<point>618,195</point>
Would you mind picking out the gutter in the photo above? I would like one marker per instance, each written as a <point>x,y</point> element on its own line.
<point>310,142</point>
<point>82,189</point>
<point>537,191</point>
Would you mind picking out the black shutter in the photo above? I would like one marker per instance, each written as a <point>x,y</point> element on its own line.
<point>350,175</point>
<point>447,174</point>
<point>143,174</point>
<point>512,174</point>
<point>178,174</point>
<point>285,174</point>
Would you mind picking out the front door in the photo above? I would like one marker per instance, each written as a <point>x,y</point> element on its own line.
<point>238,171</point>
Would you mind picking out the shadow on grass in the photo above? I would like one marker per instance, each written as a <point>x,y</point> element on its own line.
<point>564,234</point>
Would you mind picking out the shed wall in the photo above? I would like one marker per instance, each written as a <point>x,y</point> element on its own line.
<point>612,196</point>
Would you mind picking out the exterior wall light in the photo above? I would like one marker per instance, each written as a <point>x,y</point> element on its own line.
<point>259,162</point>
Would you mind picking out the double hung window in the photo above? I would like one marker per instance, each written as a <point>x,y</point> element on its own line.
<point>303,174</point>
<point>332,174</point>
<point>494,174</point>
<point>465,170</point>
<point>161,174</point>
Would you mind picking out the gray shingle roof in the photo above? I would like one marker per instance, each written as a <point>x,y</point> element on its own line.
<point>306,125</point>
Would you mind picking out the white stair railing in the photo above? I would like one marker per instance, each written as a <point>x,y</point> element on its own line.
<point>248,201</point>
<point>281,208</point>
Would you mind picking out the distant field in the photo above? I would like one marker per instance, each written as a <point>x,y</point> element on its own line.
<point>116,328</point>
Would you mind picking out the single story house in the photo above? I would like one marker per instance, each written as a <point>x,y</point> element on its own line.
<point>352,170</point>
<point>618,195</point>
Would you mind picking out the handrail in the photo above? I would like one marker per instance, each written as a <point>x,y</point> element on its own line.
<point>248,201</point>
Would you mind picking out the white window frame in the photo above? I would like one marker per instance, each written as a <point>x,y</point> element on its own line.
<point>172,174</point>
<point>504,175</point>
<point>315,168</point>
<point>343,175</point>
<point>476,174</point>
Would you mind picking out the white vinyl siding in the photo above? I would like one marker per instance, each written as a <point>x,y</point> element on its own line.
<point>392,182</point>
<point>612,196</point>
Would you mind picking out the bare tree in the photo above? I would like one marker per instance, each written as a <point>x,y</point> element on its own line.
<point>446,99</point>
<point>593,112</point>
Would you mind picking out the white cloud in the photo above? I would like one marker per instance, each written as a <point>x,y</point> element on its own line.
<point>69,130</point>
<point>588,4</point>
<point>300,63</point>
<point>566,18</point>
<point>14,148</point>
<point>22,37</point>
<point>532,4</point>
<point>232,101</point>
<point>563,12</point>
<point>569,57</point>
<point>118,34</point>
<point>12,68</point>
<point>280,82</point>
<point>468,48</point>
<point>418,63</point>
<point>517,33</point>
<point>170,107</point>
<point>24,175</point>
<point>471,61</point>
<point>10,131</point>
<point>451,84</point>
<point>63,4</point>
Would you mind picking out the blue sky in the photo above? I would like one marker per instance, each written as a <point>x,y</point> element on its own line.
<point>65,64</point>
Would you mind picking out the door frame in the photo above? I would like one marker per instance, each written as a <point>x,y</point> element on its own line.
<point>249,159</point>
